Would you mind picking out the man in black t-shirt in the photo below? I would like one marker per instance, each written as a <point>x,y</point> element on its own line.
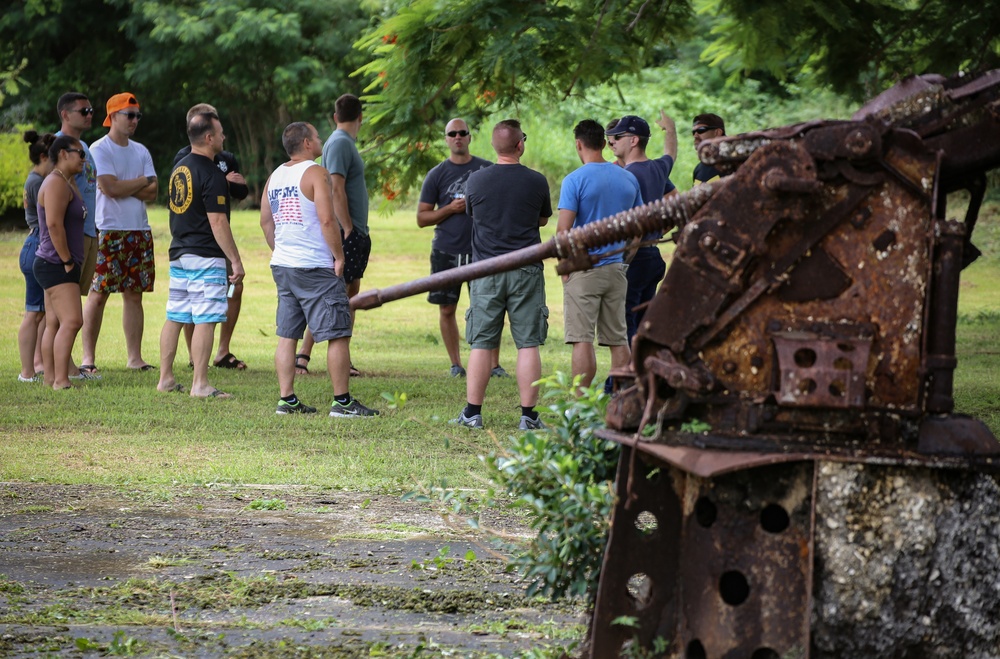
<point>508,203</point>
<point>442,206</point>
<point>238,190</point>
<point>201,241</point>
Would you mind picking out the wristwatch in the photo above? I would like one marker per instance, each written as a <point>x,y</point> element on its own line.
<point>70,262</point>
<point>150,179</point>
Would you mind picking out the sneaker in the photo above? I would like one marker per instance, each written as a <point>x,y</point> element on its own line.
<point>284,407</point>
<point>354,408</point>
<point>498,372</point>
<point>527,423</point>
<point>457,371</point>
<point>475,421</point>
<point>84,375</point>
<point>33,378</point>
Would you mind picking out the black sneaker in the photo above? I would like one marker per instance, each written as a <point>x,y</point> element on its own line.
<point>352,409</point>
<point>284,407</point>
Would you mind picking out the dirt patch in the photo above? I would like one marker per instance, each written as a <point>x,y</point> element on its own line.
<point>257,572</point>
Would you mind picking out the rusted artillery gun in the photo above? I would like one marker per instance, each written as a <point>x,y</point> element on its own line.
<point>808,315</point>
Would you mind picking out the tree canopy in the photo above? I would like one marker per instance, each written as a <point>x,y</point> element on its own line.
<point>418,63</point>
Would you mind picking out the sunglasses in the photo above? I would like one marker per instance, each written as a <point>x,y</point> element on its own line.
<point>524,137</point>
<point>83,154</point>
<point>131,115</point>
<point>86,112</point>
<point>457,133</point>
<point>701,129</point>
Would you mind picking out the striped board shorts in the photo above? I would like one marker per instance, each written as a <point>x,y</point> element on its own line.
<point>197,290</point>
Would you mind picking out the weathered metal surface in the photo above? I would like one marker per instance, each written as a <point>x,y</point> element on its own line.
<point>714,567</point>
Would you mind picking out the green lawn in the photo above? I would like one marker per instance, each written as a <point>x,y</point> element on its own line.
<point>122,431</point>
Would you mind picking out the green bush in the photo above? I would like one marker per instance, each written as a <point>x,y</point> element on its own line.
<point>14,168</point>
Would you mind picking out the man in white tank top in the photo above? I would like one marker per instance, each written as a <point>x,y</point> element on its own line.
<point>307,263</point>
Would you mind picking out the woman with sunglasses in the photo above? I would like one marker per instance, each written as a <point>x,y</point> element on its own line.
<point>29,335</point>
<point>61,214</point>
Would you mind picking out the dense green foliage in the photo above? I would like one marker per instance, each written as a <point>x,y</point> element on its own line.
<point>264,63</point>
<point>14,168</point>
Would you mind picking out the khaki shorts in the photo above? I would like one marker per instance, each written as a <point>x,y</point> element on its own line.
<point>90,245</point>
<point>520,294</point>
<point>594,300</point>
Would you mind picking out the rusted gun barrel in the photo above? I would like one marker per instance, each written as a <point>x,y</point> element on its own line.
<point>570,247</point>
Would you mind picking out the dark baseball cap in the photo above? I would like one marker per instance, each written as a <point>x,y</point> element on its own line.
<point>630,124</point>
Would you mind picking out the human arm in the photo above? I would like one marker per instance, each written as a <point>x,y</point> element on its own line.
<point>55,200</point>
<point>316,182</point>
<point>224,237</point>
<point>266,217</point>
<point>138,187</point>
<point>238,188</point>
<point>428,216</point>
<point>669,135</point>
<point>341,210</point>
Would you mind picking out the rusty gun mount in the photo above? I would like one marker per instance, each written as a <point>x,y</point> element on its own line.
<point>808,314</point>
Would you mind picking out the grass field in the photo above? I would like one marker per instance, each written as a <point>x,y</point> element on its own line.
<point>120,430</point>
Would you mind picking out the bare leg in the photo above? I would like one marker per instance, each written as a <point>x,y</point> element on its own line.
<point>66,308</point>
<point>188,332</point>
<point>48,337</point>
<point>169,336</point>
<point>352,289</point>
<point>28,341</point>
<point>201,351</point>
<point>494,358</point>
<point>307,343</point>
<point>529,371</point>
<point>620,356</point>
<point>449,332</point>
<point>227,328</point>
<point>133,320</point>
<point>338,363</point>
<point>93,317</point>
<point>284,365</point>
<point>478,375</point>
<point>584,362</point>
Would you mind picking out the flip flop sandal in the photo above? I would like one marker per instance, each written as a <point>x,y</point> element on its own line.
<point>141,369</point>
<point>88,368</point>
<point>230,361</point>
<point>221,395</point>
<point>304,368</point>
<point>354,373</point>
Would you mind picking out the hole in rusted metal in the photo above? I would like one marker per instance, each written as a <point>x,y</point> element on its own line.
<point>765,653</point>
<point>733,588</point>
<point>646,524</point>
<point>695,650</point>
<point>842,364</point>
<point>805,357</point>
<point>838,389</point>
<point>705,512</point>
<point>806,386</point>
<point>846,347</point>
<point>885,240</point>
<point>774,518</point>
<point>640,588</point>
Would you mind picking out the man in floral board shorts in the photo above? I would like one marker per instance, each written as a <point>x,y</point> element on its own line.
<point>126,180</point>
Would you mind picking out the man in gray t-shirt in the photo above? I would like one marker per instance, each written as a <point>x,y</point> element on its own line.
<point>442,206</point>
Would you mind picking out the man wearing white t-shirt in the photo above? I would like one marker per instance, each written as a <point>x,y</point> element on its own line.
<point>126,180</point>
<point>307,263</point>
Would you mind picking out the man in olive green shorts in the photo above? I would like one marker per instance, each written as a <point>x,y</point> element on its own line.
<point>508,203</point>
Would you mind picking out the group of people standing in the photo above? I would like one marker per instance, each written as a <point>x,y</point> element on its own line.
<point>90,235</point>
<point>482,210</point>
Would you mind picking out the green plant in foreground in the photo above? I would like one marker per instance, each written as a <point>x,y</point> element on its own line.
<point>266,504</point>
<point>564,474</point>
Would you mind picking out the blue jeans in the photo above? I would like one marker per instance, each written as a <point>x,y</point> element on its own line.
<point>34,296</point>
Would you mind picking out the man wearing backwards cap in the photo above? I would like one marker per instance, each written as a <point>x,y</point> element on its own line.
<point>126,180</point>
<point>706,126</point>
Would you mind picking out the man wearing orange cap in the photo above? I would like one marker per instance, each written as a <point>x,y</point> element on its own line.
<point>126,180</point>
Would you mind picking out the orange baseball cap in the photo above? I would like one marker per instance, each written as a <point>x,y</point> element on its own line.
<point>118,102</point>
